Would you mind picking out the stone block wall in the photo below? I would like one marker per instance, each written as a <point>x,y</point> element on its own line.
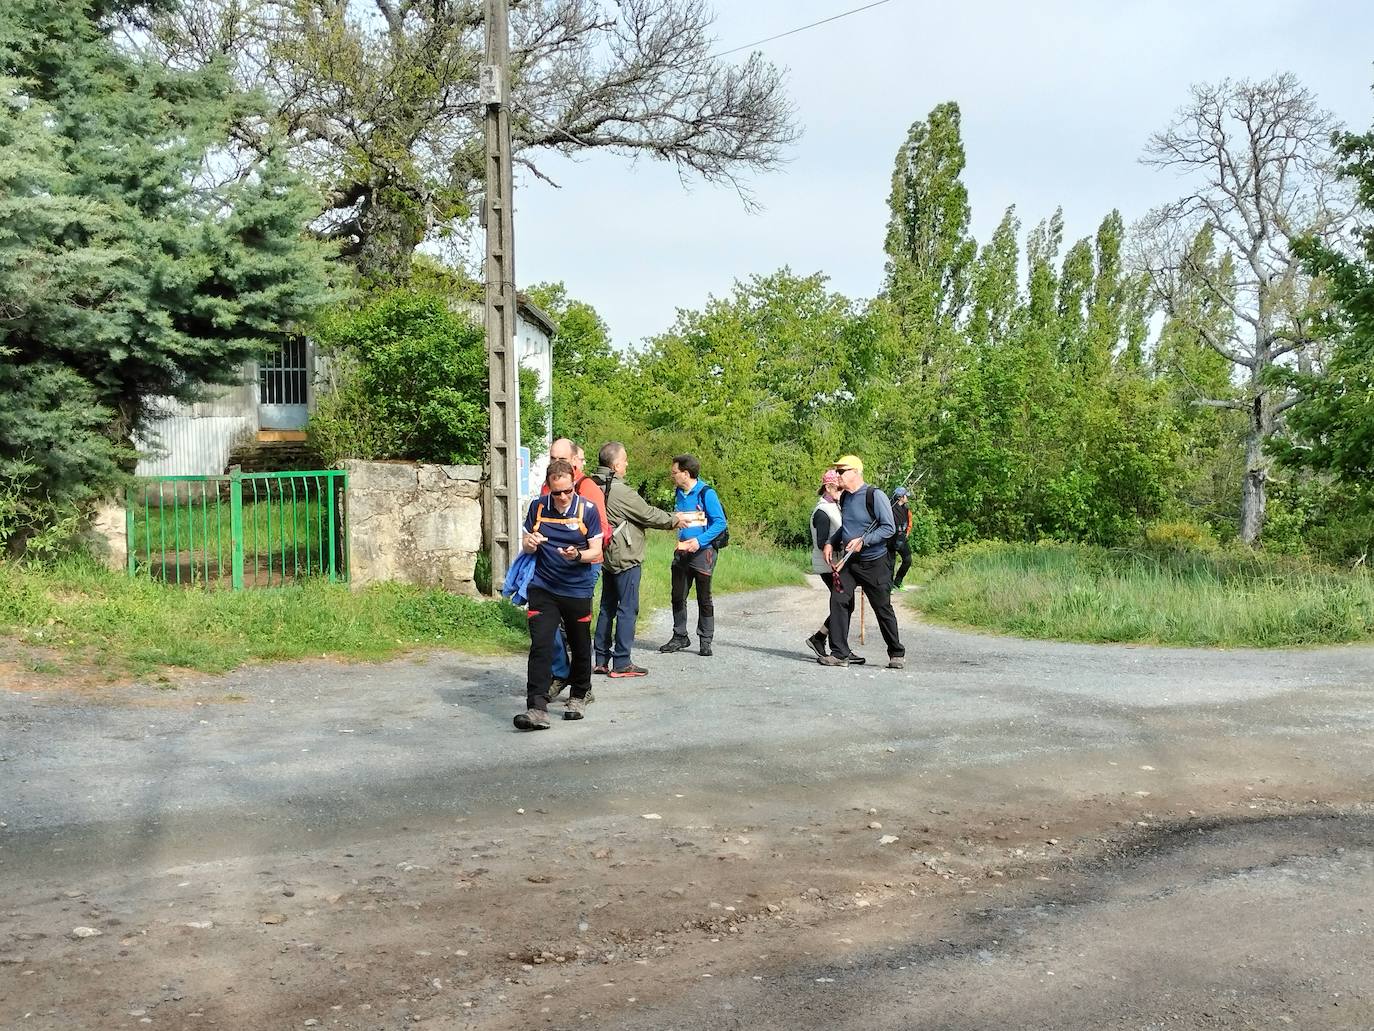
<point>414,523</point>
<point>107,536</point>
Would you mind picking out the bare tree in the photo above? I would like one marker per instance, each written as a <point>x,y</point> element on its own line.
<point>1258,159</point>
<point>378,99</point>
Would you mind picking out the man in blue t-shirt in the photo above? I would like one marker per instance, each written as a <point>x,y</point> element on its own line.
<point>563,533</point>
<point>694,559</point>
<point>859,549</point>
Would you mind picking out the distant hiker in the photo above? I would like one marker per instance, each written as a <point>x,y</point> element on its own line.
<point>563,533</point>
<point>825,522</point>
<point>901,519</point>
<point>628,515</point>
<point>858,553</point>
<point>694,561</point>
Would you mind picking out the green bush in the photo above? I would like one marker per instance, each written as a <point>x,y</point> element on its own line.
<point>410,382</point>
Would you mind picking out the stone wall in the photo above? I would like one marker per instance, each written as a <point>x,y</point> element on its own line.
<point>414,523</point>
<point>107,536</point>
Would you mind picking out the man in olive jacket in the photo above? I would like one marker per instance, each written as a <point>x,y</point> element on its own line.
<point>629,516</point>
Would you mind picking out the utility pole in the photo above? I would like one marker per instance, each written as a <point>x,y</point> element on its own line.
<point>502,496</point>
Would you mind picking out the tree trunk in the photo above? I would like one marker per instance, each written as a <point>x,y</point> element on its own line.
<point>1254,487</point>
<point>391,226</point>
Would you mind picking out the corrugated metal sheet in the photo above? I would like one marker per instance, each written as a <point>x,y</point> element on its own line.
<point>182,445</point>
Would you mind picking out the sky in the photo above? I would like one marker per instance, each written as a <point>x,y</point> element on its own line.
<point>1057,99</point>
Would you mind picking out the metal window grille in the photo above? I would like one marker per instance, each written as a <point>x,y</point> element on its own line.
<point>283,378</point>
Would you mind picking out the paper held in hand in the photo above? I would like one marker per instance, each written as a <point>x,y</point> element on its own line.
<point>695,517</point>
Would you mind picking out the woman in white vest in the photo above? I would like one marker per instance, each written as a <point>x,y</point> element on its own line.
<point>825,523</point>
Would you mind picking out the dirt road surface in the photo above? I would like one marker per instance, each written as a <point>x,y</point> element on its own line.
<point>1006,834</point>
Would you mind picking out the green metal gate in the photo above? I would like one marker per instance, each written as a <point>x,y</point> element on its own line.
<point>240,530</point>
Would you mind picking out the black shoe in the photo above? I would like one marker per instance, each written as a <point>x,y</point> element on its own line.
<point>705,649</point>
<point>677,644</point>
<point>857,660</point>
<point>816,642</point>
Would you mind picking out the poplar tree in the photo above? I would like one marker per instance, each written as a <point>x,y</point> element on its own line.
<point>929,250</point>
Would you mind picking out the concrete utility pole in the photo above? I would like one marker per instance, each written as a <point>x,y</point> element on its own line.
<point>502,499</point>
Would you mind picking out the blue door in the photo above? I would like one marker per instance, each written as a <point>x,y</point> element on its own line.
<point>283,386</point>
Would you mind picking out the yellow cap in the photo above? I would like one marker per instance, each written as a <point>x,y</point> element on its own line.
<point>848,462</point>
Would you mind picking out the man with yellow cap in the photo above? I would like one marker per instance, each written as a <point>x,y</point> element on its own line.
<point>858,554</point>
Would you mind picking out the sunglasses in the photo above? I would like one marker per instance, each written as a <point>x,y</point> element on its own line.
<point>561,493</point>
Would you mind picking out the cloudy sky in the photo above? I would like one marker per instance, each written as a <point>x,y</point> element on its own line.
<point>1057,97</point>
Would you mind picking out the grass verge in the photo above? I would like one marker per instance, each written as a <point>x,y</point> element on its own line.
<point>84,616</point>
<point>74,618</point>
<point>738,568</point>
<point>1081,593</point>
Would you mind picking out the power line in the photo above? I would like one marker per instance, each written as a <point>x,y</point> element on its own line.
<point>801,28</point>
<point>790,32</point>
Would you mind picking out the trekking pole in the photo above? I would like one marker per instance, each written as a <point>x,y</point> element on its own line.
<point>862,627</point>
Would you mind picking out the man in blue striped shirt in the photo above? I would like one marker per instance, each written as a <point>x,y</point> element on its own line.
<point>563,533</point>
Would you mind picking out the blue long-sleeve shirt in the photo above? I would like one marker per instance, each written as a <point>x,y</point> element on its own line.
<point>856,522</point>
<point>702,497</point>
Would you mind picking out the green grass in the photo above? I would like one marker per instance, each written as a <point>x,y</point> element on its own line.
<point>190,541</point>
<point>738,568</point>
<point>79,617</point>
<point>1081,593</point>
<point>132,626</point>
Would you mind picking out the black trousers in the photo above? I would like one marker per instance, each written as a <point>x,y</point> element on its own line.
<point>875,577</point>
<point>828,582</point>
<point>903,549</point>
<point>546,612</point>
<point>694,568</point>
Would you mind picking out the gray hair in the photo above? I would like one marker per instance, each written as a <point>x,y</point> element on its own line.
<point>610,452</point>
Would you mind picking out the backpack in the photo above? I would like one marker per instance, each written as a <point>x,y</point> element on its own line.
<point>873,516</point>
<point>723,538</point>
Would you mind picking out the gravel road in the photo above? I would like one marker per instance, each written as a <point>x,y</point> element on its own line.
<point>1006,833</point>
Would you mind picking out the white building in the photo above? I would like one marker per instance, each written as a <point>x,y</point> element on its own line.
<point>270,405</point>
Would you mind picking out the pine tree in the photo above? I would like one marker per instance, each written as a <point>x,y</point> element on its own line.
<point>137,276</point>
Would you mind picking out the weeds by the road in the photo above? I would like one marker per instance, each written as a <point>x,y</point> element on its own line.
<point>1082,593</point>
<point>738,568</point>
<point>88,616</point>
<point>73,615</point>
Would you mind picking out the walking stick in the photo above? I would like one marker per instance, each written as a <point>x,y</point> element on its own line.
<point>862,628</point>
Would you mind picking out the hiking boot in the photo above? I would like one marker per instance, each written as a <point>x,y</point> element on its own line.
<point>575,708</point>
<point>896,662</point>
<point>676,644</point>
<point>556,687</point>
<point>600,669</point>
<point>834,660</point>
<point>532,719</point>
<point>816,642</point>
<point>629,671</point>
<point>705,648</point>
